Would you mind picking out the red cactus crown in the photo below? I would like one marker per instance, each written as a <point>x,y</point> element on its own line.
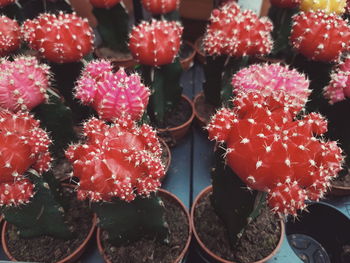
<point>158,7</point>
<point>10,35</point>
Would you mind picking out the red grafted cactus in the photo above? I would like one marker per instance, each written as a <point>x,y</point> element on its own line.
<point>59,38</point>
<point>10,35</point>
<point>268,78</point>
<point>24,145</point>
<point>23,83</point>
<point>158,7</point>
<point>339,86</point>
<point>112,95</point>
<point>104,3</point>
<point>4,3</point>
<point>272,151</point>
<point>286,3</point>
<point>121,160</point>
<point>320,36</point>
<point>155,43</point>
<point>237,33</point>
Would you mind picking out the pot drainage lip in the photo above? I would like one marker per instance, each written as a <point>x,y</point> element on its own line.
<point>308,249</point>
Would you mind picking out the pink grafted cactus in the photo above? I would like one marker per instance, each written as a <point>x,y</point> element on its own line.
<point>121,160</point>
<point>23,83</point>
<point>10,35</point>
<point>59,38</point>
<point>237,33</point>
<point>339,86</point>
<point>24,145</point>
<point>112,95</point>
<point>268,78</point>
<point>272,151</point>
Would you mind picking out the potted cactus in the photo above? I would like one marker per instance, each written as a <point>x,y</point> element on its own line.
<point>155,45</point>
<point>269,156</point>
<point>38,213</point>
<point>10,35</point>
<point>119,168</point>
<point>228,45</point>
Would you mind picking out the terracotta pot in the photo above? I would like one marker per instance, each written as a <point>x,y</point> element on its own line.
<point>183,253</point>
<point>70,258</point>
<point>167,149</point>
<point>177,133</point>
<point>215,258</point>
<point>202,116</point>
<point>128,63</point>
<point>200,55</point>
<point>339,190</point>
<point>187,62</point>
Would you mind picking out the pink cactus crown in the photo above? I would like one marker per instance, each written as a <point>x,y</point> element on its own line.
<point>23,83</point>
<point>237,33</point>
<point>268,78</point>
<point>24,145</point>
<point>320,36</point>
<point>155,43</point>
<point>59,38</point>
<point>272,151</point>
<point>112,95</point>
<point>339,87</point>
<point>121,160</point>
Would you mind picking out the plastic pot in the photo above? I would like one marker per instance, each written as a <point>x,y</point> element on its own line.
<point>187,54</point>
<point>183,255</point>
<point>202,110</point>
<point>127,63</point>
<point>166,148</point>
<point>210,256</point>
<point>200,55</point>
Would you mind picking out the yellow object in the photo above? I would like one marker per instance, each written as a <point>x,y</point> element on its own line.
<point>329,6</point>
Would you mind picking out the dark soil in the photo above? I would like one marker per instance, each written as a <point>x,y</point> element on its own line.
<point>179,115</point>
<point>204,110</point>
<point>258,241</point>
<point>342,181</point>
<point>62,169</point>
<point>151,251</point>
<point>48,249</point>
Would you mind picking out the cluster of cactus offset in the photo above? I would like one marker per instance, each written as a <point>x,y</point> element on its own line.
<point>320,36</point>
<point>59,38</point>
<point>285,3</point>
<point>112,95</point>
<point>24,145</point>
<point>268,78</point>
<point>104,3</point>
<point>155,43</point>
<point>158,7</point>
<point>237,33</point>
<point>23,83</point>
<point>10,35</point>
<point>121,160</point>
<point>339,86</point>
<point>272,151</point>
<point>329,6</point>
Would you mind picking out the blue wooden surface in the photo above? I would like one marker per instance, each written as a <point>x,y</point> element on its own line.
<point>189,173</point>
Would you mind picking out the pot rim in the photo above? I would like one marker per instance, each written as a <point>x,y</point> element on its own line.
<point>191,56</point>
<point>71,257</point>
<point>167,165</point>
<point>202,120</point>
<point>216,257</point>
<point>187,123</point>
<point>113,59</point>
<point>197,46</point>
<point>190,230</point>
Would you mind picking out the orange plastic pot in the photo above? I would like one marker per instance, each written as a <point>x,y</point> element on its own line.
<point>200,55</point>
<point>212,256</point>
<point>187,62</point>
<point>183,253</point>
<point>127,63</point>
<point>202,110</point>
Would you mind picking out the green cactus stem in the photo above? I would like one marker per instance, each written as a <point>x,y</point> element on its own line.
<point>128,222</point>
<point>44,214</point>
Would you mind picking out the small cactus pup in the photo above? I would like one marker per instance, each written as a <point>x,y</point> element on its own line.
<point>273,150</point>
<point>329,6</point>
<point>10,35</point>
<point>156,45</point>
<point>231,36</point>
<point>119,169</point>
<point>281,13</point>
<point>112,95</point>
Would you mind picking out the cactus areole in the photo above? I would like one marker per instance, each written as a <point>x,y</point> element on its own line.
<point>24,145</point>
<point>158,7</point>
<point>320,36</point>
<point>23,83</point>
<point>10,35</point>
<point>285,3</point>
<point>112,95</point>
<point>104,3</point>
<point>155,43</point>
<point>237,33</point>
<point>59,38</point>
<point>121,160</point>
<point>272,151</point>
